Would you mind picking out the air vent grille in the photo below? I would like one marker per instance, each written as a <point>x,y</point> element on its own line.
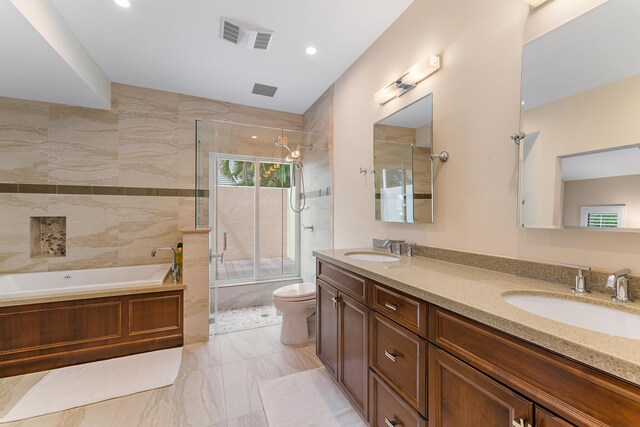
<point>262,40</point>
<point>245,35</point>
<point>264,90</point>
<point>230,32</point>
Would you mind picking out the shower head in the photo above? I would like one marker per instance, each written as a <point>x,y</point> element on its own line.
<point>281,142</point>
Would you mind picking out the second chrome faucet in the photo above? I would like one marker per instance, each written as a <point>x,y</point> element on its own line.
<point>619,280</point>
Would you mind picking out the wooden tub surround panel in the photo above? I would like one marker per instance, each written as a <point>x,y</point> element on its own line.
<point>37,337</point>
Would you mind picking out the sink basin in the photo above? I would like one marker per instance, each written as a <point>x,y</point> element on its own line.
<point>372,256</point>
<point>581,314</point>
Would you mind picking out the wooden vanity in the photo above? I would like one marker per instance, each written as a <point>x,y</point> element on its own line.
<point>405,362</point>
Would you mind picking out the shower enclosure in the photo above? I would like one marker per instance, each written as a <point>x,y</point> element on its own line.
<point>265,195</point>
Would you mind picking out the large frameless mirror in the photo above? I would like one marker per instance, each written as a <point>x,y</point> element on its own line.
<point>580,157</point>
<point>402,144</point>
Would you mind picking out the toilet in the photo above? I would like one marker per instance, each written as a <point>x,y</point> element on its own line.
<point>297,303</point>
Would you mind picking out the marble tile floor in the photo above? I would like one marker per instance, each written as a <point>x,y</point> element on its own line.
<point>217,386</point>
<point>239,319</point>
<point>243,268</point>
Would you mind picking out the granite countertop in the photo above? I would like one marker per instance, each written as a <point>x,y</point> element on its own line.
<point>477,294</point>
<point>139,288</point>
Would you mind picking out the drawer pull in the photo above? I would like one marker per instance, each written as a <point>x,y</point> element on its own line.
<point>391,356</point>
<point>391,306</point>
<point>518,423</point>
<point>335,300</point>
<point>391,423</point>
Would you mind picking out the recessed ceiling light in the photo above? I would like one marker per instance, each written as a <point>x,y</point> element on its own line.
<point>310,50</point>
<point>254,137</point>
<point>122,3</point>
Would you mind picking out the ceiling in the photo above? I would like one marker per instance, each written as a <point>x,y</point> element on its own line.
<point>175,46</point>
<point>594,49</point>
<point>603,164</point>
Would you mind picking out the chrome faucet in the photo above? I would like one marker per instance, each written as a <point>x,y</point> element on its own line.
<point>393,246</point>
<point>410,246</point>
<point>620,281</point>
<point>174,263</point>
<point>581,281</point>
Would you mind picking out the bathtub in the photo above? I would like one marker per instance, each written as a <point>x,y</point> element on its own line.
<point>26,285</point>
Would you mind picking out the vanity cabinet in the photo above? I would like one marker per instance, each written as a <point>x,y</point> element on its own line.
<point>343,340</point>
<point>376,357</point>
<point>405,362</point>
<point>327,326</point>
<point>463,396</point>
<point>546,419</point>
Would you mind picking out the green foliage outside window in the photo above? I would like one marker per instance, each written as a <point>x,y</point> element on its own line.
<point>242,173</point>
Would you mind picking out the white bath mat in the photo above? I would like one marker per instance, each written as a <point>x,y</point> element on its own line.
<point>80,385</point>
<point>309,398</point>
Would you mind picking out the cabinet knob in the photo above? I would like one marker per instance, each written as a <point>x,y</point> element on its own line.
<point>391,423</point>
<point>390,306</point>
<point>390,356</point>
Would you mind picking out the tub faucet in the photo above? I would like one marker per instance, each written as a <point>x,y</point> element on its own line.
<point>174,263</point>
<point>620,281</point>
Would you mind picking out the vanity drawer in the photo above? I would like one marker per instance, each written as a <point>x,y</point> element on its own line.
<point>388,409</point>
<point>572,390</point>
<point>400,357</point>
<point>343,280</point>
<point>409,311</point>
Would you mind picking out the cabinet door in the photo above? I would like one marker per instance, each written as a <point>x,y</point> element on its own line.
<point>460,396</point>
<point>353,357</point>
<point>327,326</point>
<point>547,419</point>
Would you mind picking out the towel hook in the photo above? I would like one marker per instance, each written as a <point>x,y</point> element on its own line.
<point>443,156</point>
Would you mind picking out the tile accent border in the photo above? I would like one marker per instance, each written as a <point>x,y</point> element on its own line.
<point>97,190</point>
<point>416,196</point>
<point>596,280</point>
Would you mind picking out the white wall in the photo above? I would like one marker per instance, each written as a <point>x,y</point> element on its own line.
<point>476,108</point>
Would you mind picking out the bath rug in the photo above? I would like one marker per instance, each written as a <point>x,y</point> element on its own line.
<point>88,383</point>
<point>309,398</point>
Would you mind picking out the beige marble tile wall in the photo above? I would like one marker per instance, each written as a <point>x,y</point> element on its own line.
<point>146,140</point>
<point>196,294</point>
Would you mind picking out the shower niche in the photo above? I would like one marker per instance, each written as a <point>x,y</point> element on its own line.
<point>48,236</point>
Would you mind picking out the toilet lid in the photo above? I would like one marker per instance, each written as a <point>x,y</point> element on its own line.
<point>296,291</point>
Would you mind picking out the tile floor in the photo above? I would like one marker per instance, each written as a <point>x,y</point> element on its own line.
<point>239,319</point>
<point>217,386</point>
<point>243,268</point>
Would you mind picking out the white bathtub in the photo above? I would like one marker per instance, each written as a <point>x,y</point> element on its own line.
<point>71,281</point>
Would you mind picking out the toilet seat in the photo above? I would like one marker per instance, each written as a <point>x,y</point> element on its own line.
<point>296,292</point>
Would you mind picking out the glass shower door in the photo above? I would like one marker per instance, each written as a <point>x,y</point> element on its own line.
<point>233,213</point>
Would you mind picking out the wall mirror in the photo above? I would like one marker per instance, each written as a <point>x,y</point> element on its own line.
<point>580,157</point>
<point>402,145</point>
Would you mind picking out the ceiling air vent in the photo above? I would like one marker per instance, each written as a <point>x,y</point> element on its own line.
<point>264,90</point>
<point>245,35</point>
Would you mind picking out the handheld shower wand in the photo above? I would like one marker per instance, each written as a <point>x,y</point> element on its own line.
<point>295,158</point>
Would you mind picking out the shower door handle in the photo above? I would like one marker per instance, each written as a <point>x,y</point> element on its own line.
<point>224,241</point>
<point>213,256</point>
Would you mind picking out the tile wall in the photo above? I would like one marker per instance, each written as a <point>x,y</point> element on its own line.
<point>123,177</point>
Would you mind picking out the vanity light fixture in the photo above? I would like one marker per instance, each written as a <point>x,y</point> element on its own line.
<point>122,3</point>
<point>408,80</point>
<point>535,3</point>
